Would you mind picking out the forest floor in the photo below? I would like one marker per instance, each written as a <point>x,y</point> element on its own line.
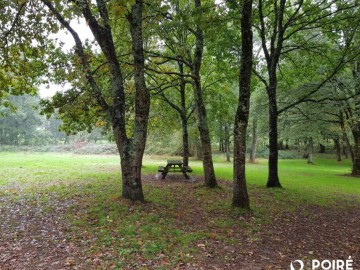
<point>182,226</point>
<point>64,211</point>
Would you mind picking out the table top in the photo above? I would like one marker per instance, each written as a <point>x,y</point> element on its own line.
<point>174,162</point>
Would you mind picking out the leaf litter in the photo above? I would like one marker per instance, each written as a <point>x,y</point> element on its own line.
<point>37,233</point>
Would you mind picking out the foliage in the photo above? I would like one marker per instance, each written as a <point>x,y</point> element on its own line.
<point>20,126</point>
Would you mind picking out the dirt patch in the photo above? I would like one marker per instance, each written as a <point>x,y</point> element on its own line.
<point>33,235</point>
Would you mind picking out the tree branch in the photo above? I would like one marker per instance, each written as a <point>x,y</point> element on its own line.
<point>80,52</point>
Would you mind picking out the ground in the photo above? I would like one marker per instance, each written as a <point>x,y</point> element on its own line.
<point>183,225</point>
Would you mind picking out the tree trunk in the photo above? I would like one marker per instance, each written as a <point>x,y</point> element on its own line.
<point>240,195</point>
<point>281,145</point>
<point>322,149</point>
<point>297,145</point>
<point>221,145</point>
<point>344,149</point>
<point>133,155</point>
<point>345,135</point>
<point>198,150</point>
<point>131,150</point>
<point>254,141</point>
<point>221,139</point>
<point>227,142</point>
<point>184,118</point>
<point>209,173</point>
<point>131,162</point>
<point>273,178</point>
<point>310,151</point>
<point>356,151</point>
<point>337,147</point>
<point>185,139</point>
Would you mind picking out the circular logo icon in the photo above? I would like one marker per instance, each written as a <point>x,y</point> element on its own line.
<point>297,265</point>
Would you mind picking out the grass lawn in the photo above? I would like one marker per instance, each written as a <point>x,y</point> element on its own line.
<point>182,226</point>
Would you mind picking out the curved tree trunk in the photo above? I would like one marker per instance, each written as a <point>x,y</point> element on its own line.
<point>209,173</point>
<point>131,150</point>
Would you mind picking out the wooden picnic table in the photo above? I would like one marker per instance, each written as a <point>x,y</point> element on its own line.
<point>174,166</point>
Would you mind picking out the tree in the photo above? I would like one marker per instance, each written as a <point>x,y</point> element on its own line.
<point>284,27</point>
<point>21,63</point>
<point>20,127</point>
<point>108,90</point>
<point>183,35</point>
<point>178,101</point>
<point>349,113</point>
<point>240,195</point>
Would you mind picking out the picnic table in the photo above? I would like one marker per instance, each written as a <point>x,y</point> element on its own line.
<point>174,166</point>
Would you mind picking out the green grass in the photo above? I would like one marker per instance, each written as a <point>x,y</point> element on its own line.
<point>324,182</point>
<point>102,221</point>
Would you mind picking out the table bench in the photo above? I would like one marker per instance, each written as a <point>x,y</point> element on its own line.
<point>174,166</point>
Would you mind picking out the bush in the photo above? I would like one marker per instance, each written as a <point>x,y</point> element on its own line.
<point>283,154</point>
<point>96,149</point>
<point>76,148</point>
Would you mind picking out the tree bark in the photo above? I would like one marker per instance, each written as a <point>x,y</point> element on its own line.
<point>198,150</point>
<point>185,139</point>
<point>322,149</point>
<point>354,121</point>
<point>132,154</point>
<point>131,161</point>
<point>345,135</point>
<point>273,177</point>
<point>337,147</point>
<point>221,138</point>
<point>310,151</point>
<point>272,52</point>
<point>227,142</point>
<point>240,194</point>
<point>254,141</point>
<point>209,173</point>
<point>356,151</point>
<point>344,149</point>
<point>184,117</point>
